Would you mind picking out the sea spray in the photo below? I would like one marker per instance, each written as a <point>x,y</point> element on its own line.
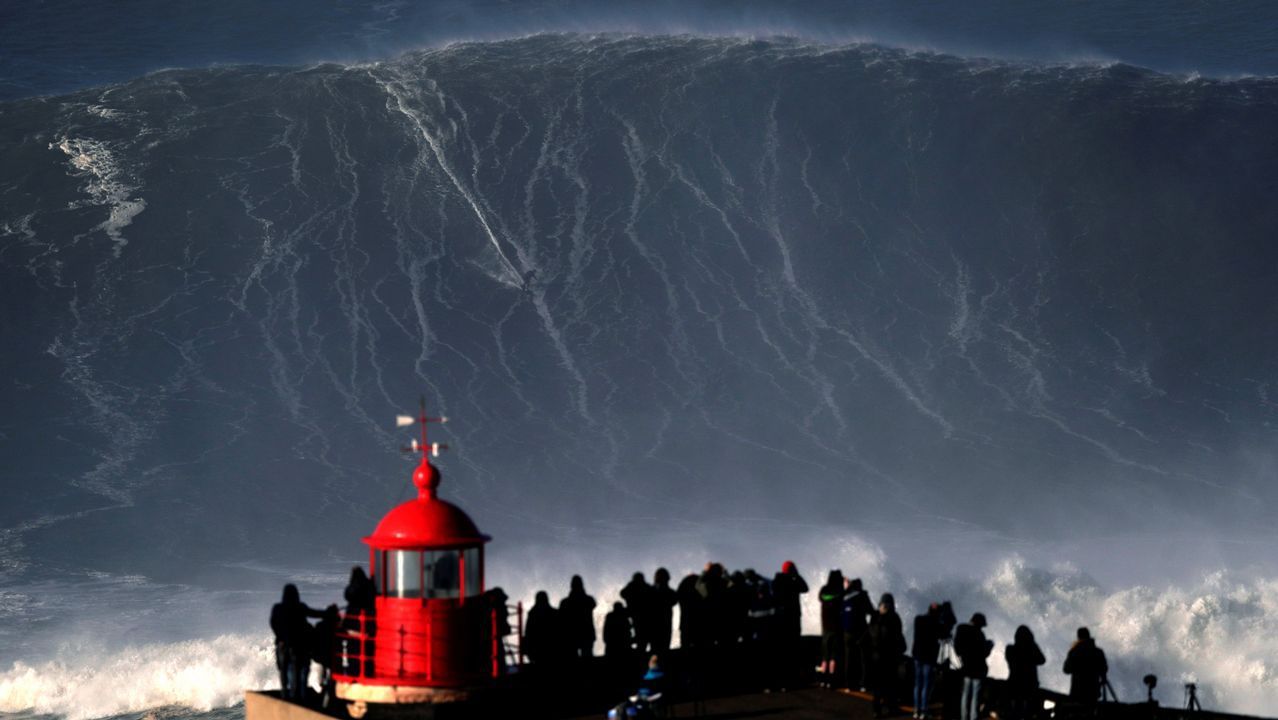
<point>1220,632</point>
<point>197,674</point>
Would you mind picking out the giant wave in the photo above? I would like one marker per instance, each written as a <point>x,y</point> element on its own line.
<point>657,282</point>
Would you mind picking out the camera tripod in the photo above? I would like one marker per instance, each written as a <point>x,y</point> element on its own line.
<point>1191,697</point>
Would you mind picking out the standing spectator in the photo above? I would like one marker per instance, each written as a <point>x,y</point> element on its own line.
<point>1023,658</point>
<point>857,609</point>
<point>740,594</point>
<point>496,598</point>
<point>945,622</point>
<point>927,645</point>
<point>787,586</point>
<point>761,636</point>
<point>638,596</point>
<point>619,638</point>
<point>1086,666</point>
<point>972,649</point>
<point>662,602</point>
<point>578,613</point>
<point>358,626</point>
<point>831,598</point>
<point>323,645</point>
<point>541,635</point>
<point>292,642</point>
<point>691,623</point>
<point>887,647</point>
<point>712,586</point>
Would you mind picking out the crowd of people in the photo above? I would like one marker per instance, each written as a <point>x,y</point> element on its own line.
<point>298,643</point>
<point>862,645</point>
<point>744,621</point>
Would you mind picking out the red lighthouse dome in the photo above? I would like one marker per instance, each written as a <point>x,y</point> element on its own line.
<point>426,521</point>
<point>431,636</point>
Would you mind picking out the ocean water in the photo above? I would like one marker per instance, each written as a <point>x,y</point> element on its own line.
<point>976,305</point>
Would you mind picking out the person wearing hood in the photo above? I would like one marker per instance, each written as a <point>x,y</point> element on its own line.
<point>1086,666</point>
<point>831,598</point>
<point>887,646</point>
<point>972,649</point>
<point>293,638</point>
<point>787,587</point>
<point>1023,658</point>
<point>541,634</point>
<point>618,637</point>
<point>857,610</point>
<point>578,613</point>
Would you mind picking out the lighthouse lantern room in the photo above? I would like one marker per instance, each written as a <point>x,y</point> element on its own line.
<point>432,635</point>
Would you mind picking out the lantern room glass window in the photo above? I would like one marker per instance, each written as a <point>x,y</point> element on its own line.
<point>472,558</point>
<point>443,574</point>
<point>403,573</point>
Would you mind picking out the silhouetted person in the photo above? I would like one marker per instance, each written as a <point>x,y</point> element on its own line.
<point>663,599</point>
<point>495,598</point>
<point>637,594</point>
<point>948,684</point>
<point>541,635</point>
<point>887,646</point>
<point>1023,658</point>
<point>359,592</point>
<point>292,642</point>
<point>761,636</point>
<point>831,598</point>
<point>1085,664</point>
<point>787,587</point>
<point>972,649</point>
<point>712,586</point>
<point>739,596</point>
<point>323,645</point>
<point>926,648</point>
<point>577,611</point>
<point>360,597</point>
<point>691,622</point>
<point>619,639</point>
<point>945,622</point>
<point>762,625</point>
<point>857,609</point>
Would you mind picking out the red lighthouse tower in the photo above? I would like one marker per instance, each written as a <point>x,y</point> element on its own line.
<point>432,637</point>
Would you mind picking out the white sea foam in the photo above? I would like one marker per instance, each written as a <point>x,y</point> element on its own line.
<point>82,683</point>
<point>1220,631</point>
<point>105,183</point>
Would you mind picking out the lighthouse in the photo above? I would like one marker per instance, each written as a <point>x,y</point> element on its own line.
<point>432,637</point>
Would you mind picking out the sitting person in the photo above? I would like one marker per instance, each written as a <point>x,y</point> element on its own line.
<point>653,684</point>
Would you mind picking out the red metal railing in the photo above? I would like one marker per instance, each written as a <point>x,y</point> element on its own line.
<point>358,642</point>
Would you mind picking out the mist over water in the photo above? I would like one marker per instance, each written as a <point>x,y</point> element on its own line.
<point>970,329</point>
<point>53,48</point>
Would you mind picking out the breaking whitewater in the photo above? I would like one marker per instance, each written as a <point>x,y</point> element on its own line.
<point>973,330</point>
<point>1219,633</point>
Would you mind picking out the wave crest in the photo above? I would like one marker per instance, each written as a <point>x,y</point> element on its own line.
<point>199,674</point>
